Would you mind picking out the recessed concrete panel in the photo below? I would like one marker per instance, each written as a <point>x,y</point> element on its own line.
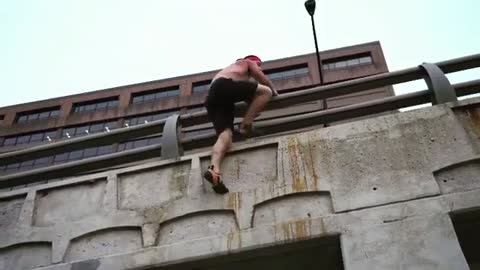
<point>105,242</point>
<point>68,204</point>
<point>9,212</point>
<point>247,169</point>
<point>195,226</point>
<point>389,158</point>
<point>416,243</point>
<point>153,187</point>
<point>25,256</point>
<point>292,207</point>
<point>461,177</point>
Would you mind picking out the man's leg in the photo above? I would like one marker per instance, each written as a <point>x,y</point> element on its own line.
<point>263,94</point>
<point>221,146</point>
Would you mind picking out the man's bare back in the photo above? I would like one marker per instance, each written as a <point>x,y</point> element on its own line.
<point>237,71</point>
<point>243,70</point>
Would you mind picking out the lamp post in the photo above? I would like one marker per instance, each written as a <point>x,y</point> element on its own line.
<point>310,6</point>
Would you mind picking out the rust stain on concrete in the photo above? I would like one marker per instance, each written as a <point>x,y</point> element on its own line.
<point>231,237</point>
<point>474,114</point>
<point>299,181</point>
<point>234,201</point>
<point>296,230</point>
<point>301,230</point>
<point>311,164</point>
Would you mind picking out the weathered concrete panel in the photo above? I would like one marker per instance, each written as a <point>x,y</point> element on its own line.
<point>389,158</point>
<point>369,183</point>
<point>417,243</point>
<point>196,226</point>
<point>67,204</point>
<point>299,170</point>
<point>461,177</point>
<point>153,187</point>
<point>247,170</point>
<point>105,242</point>
<point>9,212</point>
<point>25,256</point>
<point>293,207</point>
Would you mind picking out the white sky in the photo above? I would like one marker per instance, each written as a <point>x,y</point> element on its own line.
<point>55,48</point>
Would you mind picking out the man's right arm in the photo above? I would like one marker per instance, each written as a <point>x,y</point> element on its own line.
<point>258,75</point>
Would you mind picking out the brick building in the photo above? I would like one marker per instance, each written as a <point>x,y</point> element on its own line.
<point>34,123</point>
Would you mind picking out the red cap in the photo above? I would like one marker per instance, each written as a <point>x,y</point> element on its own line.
<point>253,58</point>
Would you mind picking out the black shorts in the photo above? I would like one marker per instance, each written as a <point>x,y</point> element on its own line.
<point>220,102</point>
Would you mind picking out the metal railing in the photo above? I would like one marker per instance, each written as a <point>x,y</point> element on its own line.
<point>173,145</point>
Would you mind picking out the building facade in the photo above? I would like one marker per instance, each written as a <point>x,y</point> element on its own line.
<point>34,123</point>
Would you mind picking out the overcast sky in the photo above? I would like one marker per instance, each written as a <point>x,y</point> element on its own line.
<point>53,48</point>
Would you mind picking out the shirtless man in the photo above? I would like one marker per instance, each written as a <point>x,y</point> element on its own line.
<point>231,85</point>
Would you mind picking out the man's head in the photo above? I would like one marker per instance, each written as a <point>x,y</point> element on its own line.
<point>254,58</point>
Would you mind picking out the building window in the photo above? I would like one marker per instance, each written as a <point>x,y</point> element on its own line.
<point>195,109</point>
<point>201,87</point>
<point>92,128</point>
<point>347,62</point>
<point>95,105</point>
<point>26,165</point>
<point>287,72</point>
<point>83,153</point>
<point>143,119</point>
<point>149,96</point>
<point>139,143</point>
<point>38,114</point>
<point>42,136</point>
<point>2,117</point>
<point>194,133</point>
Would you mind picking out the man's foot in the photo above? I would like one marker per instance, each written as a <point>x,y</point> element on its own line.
<point>214,178</point>
<point>245,129</point>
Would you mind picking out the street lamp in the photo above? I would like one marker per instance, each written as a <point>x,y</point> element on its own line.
<point>310,6</point>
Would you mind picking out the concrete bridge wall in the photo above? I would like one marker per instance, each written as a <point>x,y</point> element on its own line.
<point>384,189</point>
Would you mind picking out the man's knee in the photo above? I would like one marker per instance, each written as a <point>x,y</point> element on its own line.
<point>226,135</point>
<point>264,90</point>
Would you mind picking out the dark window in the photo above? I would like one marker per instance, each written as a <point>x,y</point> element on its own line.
<point>30,138</point>
<point>23,139</point>
<point>139,143</point>
<point>195,109</point>
<point>2,117</point>
<point>44,115</point>
<point>61,158</point>
<point>83,130</point>
<point>155,140</point>
<point>201,87</point>
<point>287,72</point>
<point>90,152</point>
<point>143,119</point>
<point>95,105</point>
<point>154,95</point>
<point>194,133</point>
<point>75,155</point>
<point>12,167</point>
<point>38,137</point>
<point>26,165</point>
<point>41,162</point>
<point>105,149</point>
<point>347,62</point>
<point>22,118</point>
<point>38,114</point>
<point>10,141</point>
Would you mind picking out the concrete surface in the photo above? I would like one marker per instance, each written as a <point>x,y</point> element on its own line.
<point>382,193</point>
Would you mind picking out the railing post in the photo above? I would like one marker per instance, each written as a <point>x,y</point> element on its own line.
<point>171,146</point>
<point>440,88</point>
